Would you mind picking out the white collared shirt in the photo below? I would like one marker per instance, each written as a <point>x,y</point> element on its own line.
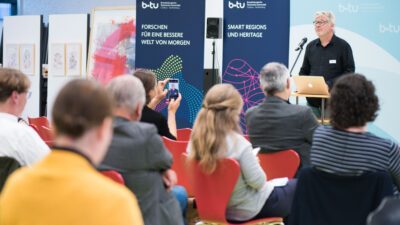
<point>20,142</point>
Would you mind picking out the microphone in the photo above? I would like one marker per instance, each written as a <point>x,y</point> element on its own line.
<point>301,44</point>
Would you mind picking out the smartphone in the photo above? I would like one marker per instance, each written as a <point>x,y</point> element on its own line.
<point>173,89</point>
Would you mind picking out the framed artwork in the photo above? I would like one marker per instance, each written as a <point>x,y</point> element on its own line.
<point>73,59</point>
<point>57,59</point>
<point>12,56</point>
<point>112,43</point>
<point>27,58</point>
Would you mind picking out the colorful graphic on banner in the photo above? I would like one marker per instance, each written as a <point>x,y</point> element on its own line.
<point>372,28</point>
<point>255,33</point>
<point>173,47</point>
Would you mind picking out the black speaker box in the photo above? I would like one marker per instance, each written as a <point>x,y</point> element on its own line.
<point>210,79</point>
<point>214,28</point>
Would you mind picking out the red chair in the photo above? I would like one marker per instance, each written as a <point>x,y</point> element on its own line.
<point>279,164</point>
<point>177,148</point>
<point>183,134</point>
<point>114,175</point>
<point>247,137</point>
<point>212,191</point>
<point>46,134</point>
<point>39,121</point>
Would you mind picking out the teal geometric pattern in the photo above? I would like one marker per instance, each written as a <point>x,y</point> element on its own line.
<point>191,96</point>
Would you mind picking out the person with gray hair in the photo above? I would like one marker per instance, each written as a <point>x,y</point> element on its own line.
<point>275,124</point>
<point>328,55</point>
<point>139,155</point>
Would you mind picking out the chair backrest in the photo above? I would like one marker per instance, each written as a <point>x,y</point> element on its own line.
<point>7,166</point>
<point>325,198</point>
<point>387,213</point>
<point>177,148</point>
<point>212,191</point>
<point>46,134</point>
<point>279,164</point>
<point>39,121</point>
<point>183,134</point>
<point>114,175</point>
<point>247,137</point>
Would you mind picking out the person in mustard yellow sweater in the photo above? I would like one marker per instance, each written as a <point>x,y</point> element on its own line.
<point>64,188</point>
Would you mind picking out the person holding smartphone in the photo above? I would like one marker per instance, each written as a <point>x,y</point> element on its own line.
<point>154,94</point>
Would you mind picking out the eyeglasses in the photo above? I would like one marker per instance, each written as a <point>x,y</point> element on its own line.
<point>28,94</point>
<point>320,23</point>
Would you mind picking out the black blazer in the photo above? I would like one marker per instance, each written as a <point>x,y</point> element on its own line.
<point>276,125</point>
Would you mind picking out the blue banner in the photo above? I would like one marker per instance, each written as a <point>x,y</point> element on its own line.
<point>255,32</point>
<point>170,42</point>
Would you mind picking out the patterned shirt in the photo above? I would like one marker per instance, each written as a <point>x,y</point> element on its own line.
<point>341,152</point>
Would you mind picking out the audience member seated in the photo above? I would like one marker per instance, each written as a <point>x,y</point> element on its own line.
<point>347,147</point>
<point>216,134</point>
<point>388,213</point>
<point>275,124</point>
<point>65,188</point>
<point>17,140</point>
<point>154,94</point>
<point>138,153</point>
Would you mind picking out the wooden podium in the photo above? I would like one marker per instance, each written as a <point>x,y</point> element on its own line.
<point>323,97</point>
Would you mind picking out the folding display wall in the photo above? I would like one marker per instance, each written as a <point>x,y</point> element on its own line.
<point>22,51</point>
<point>68,35</point>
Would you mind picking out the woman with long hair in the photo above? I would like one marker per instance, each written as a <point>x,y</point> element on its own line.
<point>216,134</point>
<point>154,94</point>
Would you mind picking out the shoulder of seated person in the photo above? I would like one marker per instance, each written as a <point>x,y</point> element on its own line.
<point>147,128</point>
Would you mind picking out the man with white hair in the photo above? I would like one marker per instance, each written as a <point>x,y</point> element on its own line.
<point>328,55</point>
<point>275,124</point>
<point>138,153</point>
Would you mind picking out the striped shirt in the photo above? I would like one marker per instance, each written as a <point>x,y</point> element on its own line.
<point>348,153</point>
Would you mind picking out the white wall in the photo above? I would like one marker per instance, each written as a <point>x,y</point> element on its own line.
<point>65,28</point>
<point>47,7</point>
<point>26,30</point>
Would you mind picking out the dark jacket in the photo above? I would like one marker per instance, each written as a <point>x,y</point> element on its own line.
<point>138,153</point>
<point>276,125</point>
<point>329,199</point>
<point>7,166</point>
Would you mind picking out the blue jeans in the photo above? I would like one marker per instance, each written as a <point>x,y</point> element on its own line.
<point>181,196</point>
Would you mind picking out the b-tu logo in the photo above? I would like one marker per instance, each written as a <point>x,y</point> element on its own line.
<point>238,5</point>
<point>348,8</point>
<point>391,28</point>
<point>150,5</point>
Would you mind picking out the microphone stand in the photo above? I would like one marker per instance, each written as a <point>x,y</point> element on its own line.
<point>213,62</point>
<point>301,49</point>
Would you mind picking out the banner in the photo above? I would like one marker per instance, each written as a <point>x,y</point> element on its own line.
<point>256,32</point>
<point>170,42</point>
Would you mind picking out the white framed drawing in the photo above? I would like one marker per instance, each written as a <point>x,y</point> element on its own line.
<point>73,59</point>
<point>12,56</point>
<point>27,58</point>
<point>57,59</point>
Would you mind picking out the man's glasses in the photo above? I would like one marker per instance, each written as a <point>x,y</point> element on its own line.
<point>28,94</point>
<point>319,23</point>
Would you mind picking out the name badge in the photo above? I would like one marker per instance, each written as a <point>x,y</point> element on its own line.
<point>332,61</point>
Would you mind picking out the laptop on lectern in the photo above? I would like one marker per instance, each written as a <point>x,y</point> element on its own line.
<point>312,85</point>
